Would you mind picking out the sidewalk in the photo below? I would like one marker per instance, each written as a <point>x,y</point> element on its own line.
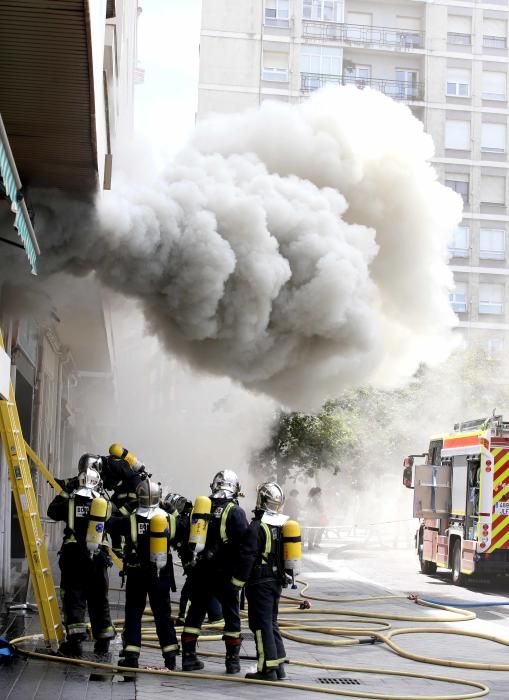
<point>34,680</point>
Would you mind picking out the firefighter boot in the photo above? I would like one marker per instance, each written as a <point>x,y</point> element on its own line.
<point>71,647</point>
<point>267,675</point>
<point>170,660</point>
<point>231,660</point>
<point>190,661</point>
<point>129,660</point>
<point>280,670</point>
<point>101,647</point>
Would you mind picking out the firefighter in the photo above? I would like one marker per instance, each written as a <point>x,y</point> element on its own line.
<point>146,575</point>
<point>118,476</point>
<point>84,569</point>
<point>181,508</point>
<point>213,568</point>
<point>261,566</point>
<point>121,473</point>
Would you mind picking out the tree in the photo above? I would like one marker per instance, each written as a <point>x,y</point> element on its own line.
<point>301,444</point>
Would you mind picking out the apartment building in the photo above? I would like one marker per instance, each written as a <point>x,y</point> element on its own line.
<point>447,59</point>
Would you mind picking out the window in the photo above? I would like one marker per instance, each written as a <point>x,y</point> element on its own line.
<point>460,184</point>
<point>459,30</point>
<point>457,135</point>
<point>409,31</point>
<point>358,27</point>
<point>275,66</point>
<point>458,245</point>
<point>458,82</point>
<point>358,75</point>
<point>493,189</point>
<point>323,10</point>
<point>406,85</point>
<point>322,60</point>
<point>494,33</point>
<point>492,244</point>
<point>491,298</point>
<point>458,297</point>
<point>277,13</point>
<point>494,85</point>
<point>493,137</point>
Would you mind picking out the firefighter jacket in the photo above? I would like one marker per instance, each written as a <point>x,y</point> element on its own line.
<point>134,532</point>
<point>227,526</point>
<point>261,551</point>
<point>118,476</point>
<point>73,509</point>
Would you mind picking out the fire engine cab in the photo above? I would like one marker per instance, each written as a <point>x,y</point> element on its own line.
<point>461,496</point>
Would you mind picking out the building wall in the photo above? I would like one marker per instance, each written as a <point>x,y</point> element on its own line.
<point>62,362</point>
<point>426,38</point>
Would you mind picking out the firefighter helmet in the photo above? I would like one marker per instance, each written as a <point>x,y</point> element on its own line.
<point>149,493</point>
<point>270,497</point>
<point>175,503</point>
<point>89,479</point>
<point>89,460</point>
<point>225,484</point>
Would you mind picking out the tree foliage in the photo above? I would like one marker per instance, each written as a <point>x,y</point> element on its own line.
<point>302,443</point>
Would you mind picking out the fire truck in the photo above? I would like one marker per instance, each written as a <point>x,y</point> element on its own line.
<point>461,497</point>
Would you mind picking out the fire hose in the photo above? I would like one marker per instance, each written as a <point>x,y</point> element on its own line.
<point>370,627</point>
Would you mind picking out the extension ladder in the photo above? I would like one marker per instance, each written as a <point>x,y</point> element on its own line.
<point>29,520</point>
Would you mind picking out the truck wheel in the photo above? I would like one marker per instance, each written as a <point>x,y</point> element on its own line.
<point>427,567</point>
<point>457,577</point>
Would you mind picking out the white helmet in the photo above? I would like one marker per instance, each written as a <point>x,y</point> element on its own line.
<point>89,460</point>
<point>270,497</point>
<point>149,493</point>
<point>225,484</point>
<point>89,483</point>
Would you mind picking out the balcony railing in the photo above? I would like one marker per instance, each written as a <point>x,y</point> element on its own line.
<point>363,34</point>
<point>397,89</point>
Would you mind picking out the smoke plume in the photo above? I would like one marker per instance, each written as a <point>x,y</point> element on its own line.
<point>296,249</point>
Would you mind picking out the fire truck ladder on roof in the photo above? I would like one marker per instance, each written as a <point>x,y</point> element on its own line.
<point>29,520</point>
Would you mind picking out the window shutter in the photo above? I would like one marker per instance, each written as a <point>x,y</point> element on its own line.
<point>493,85</point>
<point>494,27</point>
<point>493,137</point>
<point>492,189</point>
<point>459,24</point>
<point>275,59</point>
<point>457,135</point>
<point>412,23</point>
<point>364,18</point>
<point>458,75</point>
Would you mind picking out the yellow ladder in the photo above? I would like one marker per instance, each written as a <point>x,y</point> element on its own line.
<point>29,520</point>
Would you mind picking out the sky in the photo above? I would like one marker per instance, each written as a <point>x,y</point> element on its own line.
<point>168,51</point>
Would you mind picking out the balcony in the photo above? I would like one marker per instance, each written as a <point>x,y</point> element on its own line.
<point>397,89</point>
<point>363,34</point>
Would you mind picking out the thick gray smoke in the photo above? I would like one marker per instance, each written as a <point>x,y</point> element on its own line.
<point>296,249</point>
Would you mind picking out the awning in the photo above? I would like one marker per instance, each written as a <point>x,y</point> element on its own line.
<point>12,185</point>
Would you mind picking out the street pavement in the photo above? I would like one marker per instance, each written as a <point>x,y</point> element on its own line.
<point>354,565</point>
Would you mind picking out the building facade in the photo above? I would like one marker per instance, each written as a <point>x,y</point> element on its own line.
<point>67,103</point>
<point>446,59</point>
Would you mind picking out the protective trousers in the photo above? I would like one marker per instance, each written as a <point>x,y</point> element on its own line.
<point>143,581</point>
<point>263,603</point>
<point>208,583</point>
<point>84,582</point>
<point>214,611</point>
